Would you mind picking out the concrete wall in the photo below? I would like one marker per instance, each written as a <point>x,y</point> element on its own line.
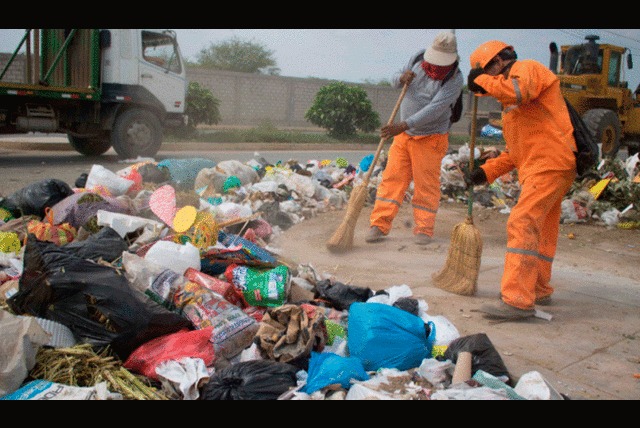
<point>251,100</point>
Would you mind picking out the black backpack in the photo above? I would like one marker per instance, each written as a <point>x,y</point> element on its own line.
<point>588,153</point>
<point>456,109</point>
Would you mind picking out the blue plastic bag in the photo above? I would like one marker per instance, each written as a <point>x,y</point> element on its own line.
<point>185,171</point>
<point>328,368</point>
<point>366,162</point>
<point>383,336</point>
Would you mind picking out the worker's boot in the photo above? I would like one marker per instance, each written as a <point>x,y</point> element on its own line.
<point>501,310</point>
<point>374,234</point>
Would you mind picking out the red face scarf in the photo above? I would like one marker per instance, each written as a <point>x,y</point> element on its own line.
<point>436,72</point>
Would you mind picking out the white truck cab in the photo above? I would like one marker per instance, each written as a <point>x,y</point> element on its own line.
<point>104,88</point>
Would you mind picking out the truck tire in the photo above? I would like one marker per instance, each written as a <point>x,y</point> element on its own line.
<point>90,146</point>
<point>604,125</point>
<point>136,132</point>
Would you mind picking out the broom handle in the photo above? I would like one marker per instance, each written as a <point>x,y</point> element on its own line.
<point>472,148</point>
<point>382,140</point>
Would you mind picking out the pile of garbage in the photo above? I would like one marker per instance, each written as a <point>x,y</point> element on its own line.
<point>160,281</point>
<point>608,195</point>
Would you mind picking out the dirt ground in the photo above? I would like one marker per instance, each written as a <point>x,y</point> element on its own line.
<point>565,351</point>
<point>580,245</point>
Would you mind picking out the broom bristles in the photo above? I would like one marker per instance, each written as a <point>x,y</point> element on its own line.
<point>342,239</point>
<point>460,273</point>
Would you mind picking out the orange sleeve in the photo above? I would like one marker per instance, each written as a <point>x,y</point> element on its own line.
<point>498,166</point>
<point>525,83</point>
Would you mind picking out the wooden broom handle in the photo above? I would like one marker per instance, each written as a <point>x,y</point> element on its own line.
<point>382,140</point>
<point>472,149</point>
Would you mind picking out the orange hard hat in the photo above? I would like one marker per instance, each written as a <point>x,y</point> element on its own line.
<point>485,53</point>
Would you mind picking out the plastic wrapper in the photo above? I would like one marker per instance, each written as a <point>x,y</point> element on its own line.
<point>232,329</point>
<point>259,287</point>
<point>223,288</point>
<point>46,390</point>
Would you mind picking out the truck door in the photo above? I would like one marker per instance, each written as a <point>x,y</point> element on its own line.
<point>161,70</point>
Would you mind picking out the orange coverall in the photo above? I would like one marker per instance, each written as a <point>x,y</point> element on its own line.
<point>540,144</point>
<point>417,158</point>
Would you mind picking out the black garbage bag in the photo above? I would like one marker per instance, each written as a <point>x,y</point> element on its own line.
<point>35,197</point>
<point>408,304</point>
<point>340,296</point>
<point>106,244</point>
<point>250,380</point>
<point>93,300</point>
<point>484,355</point>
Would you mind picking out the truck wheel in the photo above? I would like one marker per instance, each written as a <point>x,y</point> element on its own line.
<point>136,132</point>
<point>604,125</point>
<point>90,146</point>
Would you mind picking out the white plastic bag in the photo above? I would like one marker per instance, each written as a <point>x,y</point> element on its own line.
<point>435,371</point>
<point>123,223</point>
<point>101,176</point>
<point>183,376</point>
<point>533,386</point>
<point>177,257</point>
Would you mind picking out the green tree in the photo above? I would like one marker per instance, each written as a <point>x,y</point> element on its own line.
<point>201,107</point>
<point>342,110</point>
<point>236,54</point>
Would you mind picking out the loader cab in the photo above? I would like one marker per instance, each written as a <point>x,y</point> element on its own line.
<point>583,59</point>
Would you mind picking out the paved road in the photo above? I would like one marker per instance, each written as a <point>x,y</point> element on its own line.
<point>25,159</point>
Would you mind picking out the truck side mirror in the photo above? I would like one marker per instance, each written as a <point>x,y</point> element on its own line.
<point>105,39</point>
<point>629,61</point>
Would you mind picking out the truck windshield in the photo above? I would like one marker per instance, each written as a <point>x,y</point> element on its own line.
<point>160,49</point>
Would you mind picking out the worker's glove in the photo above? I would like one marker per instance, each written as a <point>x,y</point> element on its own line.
<point>474,87</point>
<point>475,178</point>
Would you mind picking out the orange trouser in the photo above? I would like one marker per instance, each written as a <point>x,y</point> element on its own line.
<point>532,237</point>
<point>416,158</point>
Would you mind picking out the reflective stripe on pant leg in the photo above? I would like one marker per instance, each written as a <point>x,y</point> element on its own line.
<point>396,178</point>
<point>531,241</point>
<point>426,154</point>
<point>549,241</point>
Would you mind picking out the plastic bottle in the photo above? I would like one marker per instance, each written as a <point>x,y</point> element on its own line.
<point>177,257</point>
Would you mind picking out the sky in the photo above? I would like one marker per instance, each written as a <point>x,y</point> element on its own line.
<point>359,55</point>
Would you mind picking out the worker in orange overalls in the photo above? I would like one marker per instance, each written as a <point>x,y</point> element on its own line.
<point>420,139</point>
<point>539,143</point>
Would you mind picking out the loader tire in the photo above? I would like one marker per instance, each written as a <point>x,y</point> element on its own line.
<point>604,125</point>
<point>136,132</point>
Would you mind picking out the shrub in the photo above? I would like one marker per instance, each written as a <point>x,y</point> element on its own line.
<point>202,106</point>
<point>342,110</point>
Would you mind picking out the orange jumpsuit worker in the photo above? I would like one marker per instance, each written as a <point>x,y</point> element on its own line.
<point>539,143</point>
<point>421,139</point>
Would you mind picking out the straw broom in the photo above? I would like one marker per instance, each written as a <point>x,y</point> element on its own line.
<point>460,273</point>
<point>342,239</point>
